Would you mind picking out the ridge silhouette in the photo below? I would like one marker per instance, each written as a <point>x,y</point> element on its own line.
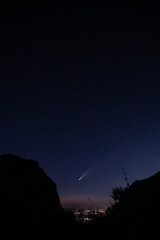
<point>136,214</point>
<point>29,201</point>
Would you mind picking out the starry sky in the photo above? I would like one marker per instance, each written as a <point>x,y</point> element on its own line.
<point>80,92</point>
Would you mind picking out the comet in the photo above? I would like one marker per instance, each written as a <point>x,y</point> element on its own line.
<point>91,169</point>
<point>85,174</point>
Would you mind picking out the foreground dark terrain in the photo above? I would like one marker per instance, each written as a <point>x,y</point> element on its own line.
<point>29,201</point>
<point>30,207</point>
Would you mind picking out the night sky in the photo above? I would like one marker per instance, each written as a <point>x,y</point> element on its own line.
<point>80,92</point>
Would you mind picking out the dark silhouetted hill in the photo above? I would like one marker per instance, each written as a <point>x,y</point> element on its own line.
<point>28,197</point>
<point>137,214</point>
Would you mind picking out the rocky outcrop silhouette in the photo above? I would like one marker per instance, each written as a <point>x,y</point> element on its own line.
<point>28,197</point>
<point>136,216</point>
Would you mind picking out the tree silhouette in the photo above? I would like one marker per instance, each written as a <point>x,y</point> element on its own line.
<point>118,193</point>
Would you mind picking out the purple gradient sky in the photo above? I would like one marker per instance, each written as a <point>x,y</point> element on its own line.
<point>79,90</point>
